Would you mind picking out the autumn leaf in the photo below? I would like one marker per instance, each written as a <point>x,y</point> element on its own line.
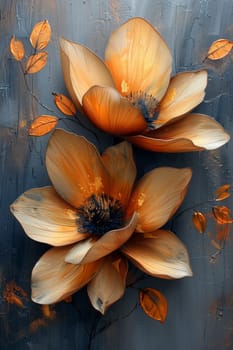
<point>40,35</point>
<point>42,125</point>
<point>199,221</point>
<point>17,49</point>
<point>36,62</point>
<point>222,192</point>
<point>219,49</point>
<point>222,215</point>
<point>13,294</point>
<point>64,104</point>
<point>154,304</point>
<point>224,195</point>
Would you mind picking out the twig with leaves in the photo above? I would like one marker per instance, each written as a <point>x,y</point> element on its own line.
<point>39,38</point>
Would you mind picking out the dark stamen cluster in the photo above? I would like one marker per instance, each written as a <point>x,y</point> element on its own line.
<point>100,214</point>
<point>147,105</point>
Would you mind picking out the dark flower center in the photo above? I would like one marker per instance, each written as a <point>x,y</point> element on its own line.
<point>100,214</point>
<point>147,105</point>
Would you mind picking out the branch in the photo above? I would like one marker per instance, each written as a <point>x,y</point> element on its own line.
<point>94,332</point>
<point>31,93</point>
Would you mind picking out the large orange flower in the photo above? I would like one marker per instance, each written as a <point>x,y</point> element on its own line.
<point>95,217</point>
<point>133,95</point>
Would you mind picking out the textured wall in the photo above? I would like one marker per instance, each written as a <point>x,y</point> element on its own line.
<point>200,308</point>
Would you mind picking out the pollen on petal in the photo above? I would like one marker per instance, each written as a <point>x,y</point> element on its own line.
<point>124,87</point>
<point>141,199</point>
<point>97,185</point>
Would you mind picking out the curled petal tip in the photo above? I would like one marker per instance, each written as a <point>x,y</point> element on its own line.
<point>108,285</point>
<point>186,271</point>
<point>192,132</point>
<point>190,272</point>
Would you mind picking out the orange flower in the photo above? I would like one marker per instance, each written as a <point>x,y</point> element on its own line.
<point>133,95</point>
<point>95,217</point>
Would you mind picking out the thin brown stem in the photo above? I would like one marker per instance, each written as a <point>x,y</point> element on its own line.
<point>31,93</point>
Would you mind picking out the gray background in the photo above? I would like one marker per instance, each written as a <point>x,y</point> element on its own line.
<point>200,308</point>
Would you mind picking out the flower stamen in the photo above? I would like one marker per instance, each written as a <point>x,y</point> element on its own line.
<point>147,104</point>
<point>100,214</point>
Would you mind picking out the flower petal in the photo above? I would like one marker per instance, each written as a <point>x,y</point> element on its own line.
<point>186,90</point>
<point>75,167</point>
<point>151,143</point>
<point>53,279</point>
<point>111,112</point>
<point>82,69</point>
<point>120,164</point>
<point>157,196</point>
<point>192,132</point>
<point>77,253</point>
<point>46,217</point>
<point>202,130</point>
<point>108,285</point>
<point>139,59</point>
<point>159,254</point>
<point>105,245</point>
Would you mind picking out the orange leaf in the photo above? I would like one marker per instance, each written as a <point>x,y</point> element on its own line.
<point>224,195</point>
<point>36,62</point>
<point>222,215</point>
<point>219,49</point>
<point>13,294</point>
<point>42,125</point>
<point>16,300</point>
<point>40,35</point>
<point>154,304</point>
<point>199,221</point>
<point>17,49</point>
<point>223,192</point>
<point>64,104</point>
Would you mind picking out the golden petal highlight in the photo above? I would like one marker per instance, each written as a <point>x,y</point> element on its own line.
<point>159,253</point>
<point>168,186</point>
<point>108,285</point>
<point>75,167</point>
<point>82,69</point>
<point>111,112</point>
<point>46,217</point>
<point>139,59</point>
<point>120,164</point>
<point>53,279</point>
<point>186,90</point>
